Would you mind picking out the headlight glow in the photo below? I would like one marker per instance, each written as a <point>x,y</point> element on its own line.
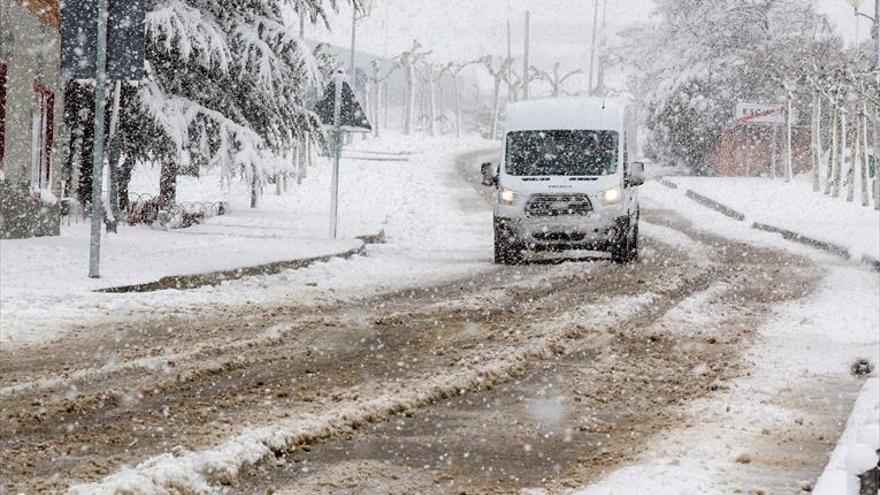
<point>610,196</point>
<point>506,197</point>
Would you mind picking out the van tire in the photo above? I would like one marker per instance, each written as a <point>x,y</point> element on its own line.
<point>507,251</point>
<point>626,248</point>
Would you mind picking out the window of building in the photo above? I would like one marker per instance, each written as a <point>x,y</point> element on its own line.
<point>42,137</point>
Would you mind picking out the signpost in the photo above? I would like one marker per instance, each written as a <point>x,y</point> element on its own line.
<point>768,114</point>
<point>340,110</point>
<point>101,39</point>
<point>763,113</point>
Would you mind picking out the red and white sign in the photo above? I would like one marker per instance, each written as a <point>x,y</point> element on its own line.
<point>762,113</point>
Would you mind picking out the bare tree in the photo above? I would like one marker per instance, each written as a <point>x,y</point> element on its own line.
<point>498,73</point>
<point>454,70</point>
<point>377,81</point>
<point>408,61</point>
<point>556,79</point>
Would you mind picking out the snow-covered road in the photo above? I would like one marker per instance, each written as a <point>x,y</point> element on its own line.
<point>497,379</point>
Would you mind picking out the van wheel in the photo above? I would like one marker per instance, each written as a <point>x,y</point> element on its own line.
<point>633,254</point>
<point>626,247</point>
<point>507,251</point>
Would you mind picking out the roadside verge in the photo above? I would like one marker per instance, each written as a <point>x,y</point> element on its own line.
<point>843,246</point>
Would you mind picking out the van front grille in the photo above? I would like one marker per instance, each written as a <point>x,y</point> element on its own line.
<point>554,205</point>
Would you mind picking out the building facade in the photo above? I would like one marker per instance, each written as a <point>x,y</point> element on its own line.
<point>31,116</point>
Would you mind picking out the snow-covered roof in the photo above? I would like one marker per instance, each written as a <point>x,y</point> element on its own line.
<point>566,114</point>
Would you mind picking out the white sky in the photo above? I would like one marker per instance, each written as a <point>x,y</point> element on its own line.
<point>463,29</point>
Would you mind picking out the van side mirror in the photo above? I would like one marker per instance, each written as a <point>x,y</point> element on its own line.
<point>490,178</point>
<point>636,174</point>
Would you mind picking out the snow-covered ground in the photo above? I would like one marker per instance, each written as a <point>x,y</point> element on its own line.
<point>794,206</point>
<point>44,290</point>
<point>807,346</point>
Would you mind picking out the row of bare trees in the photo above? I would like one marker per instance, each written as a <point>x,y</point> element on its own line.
<point>417,68</point>
<point>845,128</point>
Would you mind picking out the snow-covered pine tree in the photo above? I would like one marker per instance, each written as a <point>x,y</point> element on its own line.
<point>225,86</point>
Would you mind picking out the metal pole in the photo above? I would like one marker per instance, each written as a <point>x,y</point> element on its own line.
<point>773,147</point>
<point>354,21</point>
<point>509,65</point>
<point>526,56</point>
<point>877,37</point>
<point>593,47</point>
<point>98,158</point>
<point>337,138</point>
<point>788,151</point>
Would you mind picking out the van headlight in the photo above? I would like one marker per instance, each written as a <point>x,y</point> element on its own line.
<point>610,197</point>
<point>507,197</point>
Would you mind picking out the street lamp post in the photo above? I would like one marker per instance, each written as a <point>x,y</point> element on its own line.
<point>875,26</point>
<point>368,5</point>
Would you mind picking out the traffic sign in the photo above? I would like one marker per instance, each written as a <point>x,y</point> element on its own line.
<point>125,39</point>
<point>762,113</point>
<point>342,111</point>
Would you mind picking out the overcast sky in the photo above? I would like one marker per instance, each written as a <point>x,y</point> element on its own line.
<point>461,29</point>
<point>465,29</point>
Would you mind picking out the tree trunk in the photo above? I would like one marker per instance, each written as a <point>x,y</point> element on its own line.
<point>168,183</point>
<point>853,162</point>
<point>124,178</point>
<point>457,106</point>
<point>255,187</point>
<point>774,147</point>
<point>377,108</point>
<point>877,156</point>
<point>789,158</point>
<point>863,157</point>
<point>409,104</point>
<point>496,110</point>
<point>432,103</point>
<point>832,165</point>
<point>815,140</point>
<point>111,220</point>
<point>841,151</point>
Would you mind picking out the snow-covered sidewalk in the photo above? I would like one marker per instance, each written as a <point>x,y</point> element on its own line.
<point>794,206</point>
<point>44,290</point>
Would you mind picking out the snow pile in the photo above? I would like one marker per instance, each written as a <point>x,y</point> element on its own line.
<point>856,453</point>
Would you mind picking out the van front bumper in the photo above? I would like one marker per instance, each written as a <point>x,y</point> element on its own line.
<point>595,232</point>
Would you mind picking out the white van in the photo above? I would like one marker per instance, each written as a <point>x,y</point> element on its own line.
<point>565,180</point>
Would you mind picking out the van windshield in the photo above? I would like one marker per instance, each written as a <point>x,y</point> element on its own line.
<point>561,152</point>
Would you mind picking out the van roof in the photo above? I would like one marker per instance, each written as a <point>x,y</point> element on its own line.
<point>566,114</point>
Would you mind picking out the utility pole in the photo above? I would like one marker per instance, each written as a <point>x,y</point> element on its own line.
<point>354,22</point>
<point>98,157</point>
<point>526,74</point>
<point>593,46</point>
<point>510,66</point>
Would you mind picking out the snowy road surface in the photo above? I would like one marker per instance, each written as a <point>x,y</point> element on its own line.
<point>545,376</point>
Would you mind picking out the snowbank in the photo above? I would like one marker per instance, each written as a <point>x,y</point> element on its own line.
<point>856,452</point>
<point>794,206</point>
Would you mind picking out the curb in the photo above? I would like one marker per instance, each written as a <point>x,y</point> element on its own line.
<point>711,203</point>
<point>828,247</point>
<point>790,235</point>
<point>183,282</point>
<point>873,263</point>
<point>668,183</point>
